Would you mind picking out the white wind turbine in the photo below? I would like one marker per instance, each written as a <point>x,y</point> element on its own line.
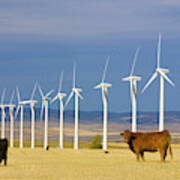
<point>75,91</point>
<point>104,86</point>
<point>3,114</point>
<point>133,91</point>
<point>162,73</point>
<point>21,107</point>
<point>32,103</point>
<point>60,96</point>
<point>45,101</point>
<point>11,114</point>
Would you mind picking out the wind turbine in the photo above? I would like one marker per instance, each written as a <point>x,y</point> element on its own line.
<point>162,73</point>
<point>60,96</point>
<point>32,105</point>
<point>133,91</point>
<point>3,114</point>
<point>45,101</point>
<point>21,107</point>
<point>104,86</point>
<point>11,114</point>
<point>76,92</point>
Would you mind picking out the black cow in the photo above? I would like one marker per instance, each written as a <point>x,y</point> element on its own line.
<point>3,150</point>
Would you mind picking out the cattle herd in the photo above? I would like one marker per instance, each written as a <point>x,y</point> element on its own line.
<point>139,143</point>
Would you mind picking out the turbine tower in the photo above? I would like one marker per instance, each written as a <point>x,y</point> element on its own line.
<point>75,91</point>
<point>11,114</point>
<point>104,86</point>
<point>45,101</point>
<point>32,106</point>
<point>3,114</point>
<point>60,96</point>
<point>162,73</point>
<point>21,107</point>
<point>133,91</point>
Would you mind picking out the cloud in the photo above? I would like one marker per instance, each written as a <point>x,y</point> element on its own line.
<point>169,2</point>
<point>79,19</point>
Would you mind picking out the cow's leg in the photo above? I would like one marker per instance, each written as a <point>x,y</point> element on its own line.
<point>137,155</point>
<point>142,155</point>
<point>5,161</point>
<point>162,154</point>
<point>165,153</point>
<point>0,160</point>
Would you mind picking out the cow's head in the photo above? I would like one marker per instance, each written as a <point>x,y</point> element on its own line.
<point>127,135</point>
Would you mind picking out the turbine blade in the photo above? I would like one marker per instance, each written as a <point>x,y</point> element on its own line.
<point>150,81</point>
<point>32,107</point>
<point>159,51</point>
<point>17,110</point>
<point>98,86</point>
<point>79,95</point>
<point>50,92</point>
<point>12,97</point>
<point>102,93</point>
<point>134,91</point>
<point>60,81</point>
<point>105,69</point>
<point>3,95</point>
<point>4,114</point>
<point>34,90</point>
<point>106,94</point>
<point>42,110</point>
<point>40,90</point>
<point>69,98</point>
<point>54,99</point>
<point>74,75</point>
<point>166,77</point>
<point>18,94</point>
<point>131,90</point>
<point>134,61</point>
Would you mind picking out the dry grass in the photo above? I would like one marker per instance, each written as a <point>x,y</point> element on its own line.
<point>87,164</point>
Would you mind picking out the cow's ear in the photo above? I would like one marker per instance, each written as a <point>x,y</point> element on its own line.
<point>121,134</point>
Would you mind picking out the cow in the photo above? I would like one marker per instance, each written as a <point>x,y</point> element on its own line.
<point>3,150</point>
<point>148,142</point>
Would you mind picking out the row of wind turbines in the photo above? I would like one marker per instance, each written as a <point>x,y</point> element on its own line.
<point>133,87</point>
<point>76,93</point>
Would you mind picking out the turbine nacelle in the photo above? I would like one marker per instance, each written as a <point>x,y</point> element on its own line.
<point>61,95</point>
<point>103,85</point>
<point>132,78</point>
<point>28,102</point>
<point>46,98</point>
<point>76,90</point>
<point>11,105</point>
<point>162,70</point>
<point>5,106</point>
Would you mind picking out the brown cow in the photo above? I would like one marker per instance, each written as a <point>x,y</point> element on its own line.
<point>148,142</point>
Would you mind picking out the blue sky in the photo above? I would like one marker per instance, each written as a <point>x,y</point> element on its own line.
<point>40,38</point>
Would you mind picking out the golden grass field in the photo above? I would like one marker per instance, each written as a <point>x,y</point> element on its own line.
<point>87,164</point>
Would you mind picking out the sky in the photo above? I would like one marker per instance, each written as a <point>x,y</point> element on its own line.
<point>40,38</point>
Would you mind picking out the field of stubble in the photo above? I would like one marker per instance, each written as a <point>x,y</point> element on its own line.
<point>87,164</point>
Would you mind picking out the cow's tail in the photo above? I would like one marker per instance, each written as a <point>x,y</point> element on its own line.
<point>170,151</point>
